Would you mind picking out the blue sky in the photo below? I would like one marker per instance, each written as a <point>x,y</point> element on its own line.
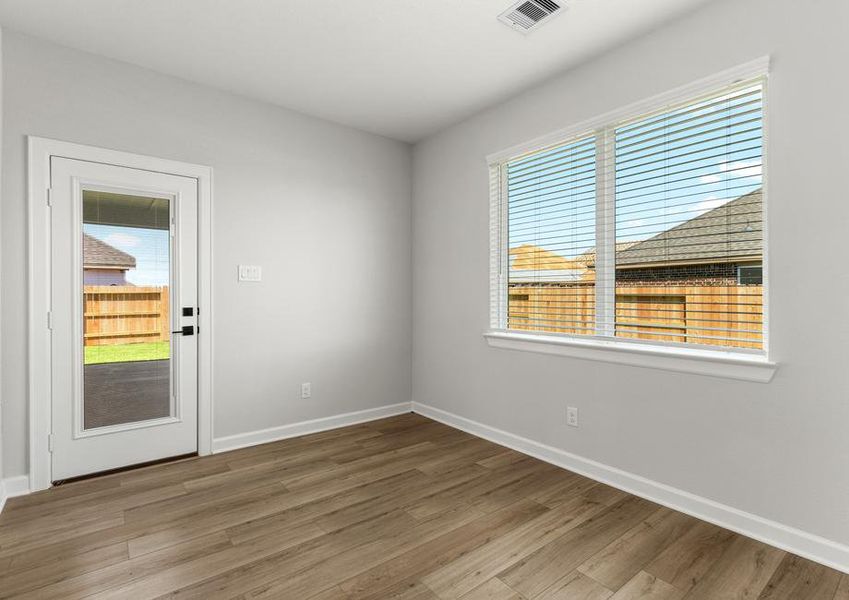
<point>670,168</point>
<point>150,247</point>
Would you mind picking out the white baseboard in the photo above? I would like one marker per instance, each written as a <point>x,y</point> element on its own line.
<point>13,486</point>
<point>807,545</point>
<point>263,436</point>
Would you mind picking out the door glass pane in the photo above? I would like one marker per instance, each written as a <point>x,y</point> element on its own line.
<point>126,319</point>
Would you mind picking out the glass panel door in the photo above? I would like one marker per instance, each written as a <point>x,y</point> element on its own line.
<point>123,316</point>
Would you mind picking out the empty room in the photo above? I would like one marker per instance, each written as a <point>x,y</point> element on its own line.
<point>424,299</point>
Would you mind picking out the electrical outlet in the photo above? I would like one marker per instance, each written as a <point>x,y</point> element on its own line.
<point>571,416</point>
<point>306,390</point>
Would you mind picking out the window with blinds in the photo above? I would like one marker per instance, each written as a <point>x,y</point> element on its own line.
<point>644,229</point>
<point>688,207</point>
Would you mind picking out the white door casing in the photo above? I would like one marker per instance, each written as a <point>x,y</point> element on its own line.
<point>42,152</point>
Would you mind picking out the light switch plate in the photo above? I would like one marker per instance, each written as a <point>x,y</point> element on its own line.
<point>250,273</point>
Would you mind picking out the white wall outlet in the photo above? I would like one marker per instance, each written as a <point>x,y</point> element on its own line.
<point>250,273</point>
<point>306,390</point>
<point>571,416</point>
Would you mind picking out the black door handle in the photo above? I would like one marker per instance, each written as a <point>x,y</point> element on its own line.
<point>186,330</point>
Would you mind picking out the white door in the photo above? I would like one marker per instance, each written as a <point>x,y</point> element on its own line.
<point>123,313</point>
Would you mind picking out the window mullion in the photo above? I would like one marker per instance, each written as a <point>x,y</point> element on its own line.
<point>605,261</point>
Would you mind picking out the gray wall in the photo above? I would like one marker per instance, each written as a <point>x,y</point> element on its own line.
<point>323,208</point>
<point>780,450</point>
<point>1,271</point>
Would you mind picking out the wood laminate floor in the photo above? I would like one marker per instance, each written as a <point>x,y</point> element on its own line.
<point>403,508</point>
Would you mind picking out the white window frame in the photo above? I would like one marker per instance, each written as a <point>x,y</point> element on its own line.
<point>733,363</point>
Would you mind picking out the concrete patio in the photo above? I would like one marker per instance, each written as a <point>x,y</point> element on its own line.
<point>125,392</point>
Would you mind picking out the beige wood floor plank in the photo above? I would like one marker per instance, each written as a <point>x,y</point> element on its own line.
<point>568,486</point>
<point>327,560</point>
<point>332,593</point>
<point>616,564</point>
<point>686,560</point>
<point>192,504</point>
<point>532,575</point>
<point>72,530</point>
<point>411,490</point>
<point>604,494</point>
<point>644,586</point>
<point>741,572</point>
<point>842,592</point>
<point>440,551</point>
<point>58,494</point>
<point>473,489</point>
<point>269,501</point>
<point>493,589</point>
<point>471,570</point>
<point>797,577</point>
<point>114,497</point>
<point>307,505</point>
<point>187,573</point>
<point>125,572</point>
<point>576,586</point>
<point>13,585</point>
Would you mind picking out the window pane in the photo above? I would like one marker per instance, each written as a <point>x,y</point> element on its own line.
<point>689,223</point>
<point>126,316</point>
<point>551,232</point>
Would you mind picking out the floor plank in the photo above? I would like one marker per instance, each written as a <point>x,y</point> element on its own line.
<point>743,571</point>
<point>800,578</point>
<point>644,586</point>
<point>403,508</point>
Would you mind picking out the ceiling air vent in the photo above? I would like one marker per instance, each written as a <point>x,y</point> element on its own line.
<point>529,14</point>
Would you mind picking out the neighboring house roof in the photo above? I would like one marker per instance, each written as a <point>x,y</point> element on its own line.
<point>730,232</point>
<point>99,254</point>
<point>588,257</point>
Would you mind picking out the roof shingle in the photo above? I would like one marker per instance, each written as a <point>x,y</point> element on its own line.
<point>97,253</point>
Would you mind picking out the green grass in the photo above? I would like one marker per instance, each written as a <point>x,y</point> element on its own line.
<point>126,352</point>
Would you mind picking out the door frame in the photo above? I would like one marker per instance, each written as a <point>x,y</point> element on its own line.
<point>40,151</point>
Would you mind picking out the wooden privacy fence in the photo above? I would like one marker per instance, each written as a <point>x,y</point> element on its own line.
<point>125,314</point>
<point>697,314</point>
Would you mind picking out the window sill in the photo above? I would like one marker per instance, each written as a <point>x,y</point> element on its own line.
<point>728,365</point>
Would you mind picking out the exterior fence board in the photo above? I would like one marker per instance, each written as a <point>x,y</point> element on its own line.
<point>125,314</point>
<point>696,314</point>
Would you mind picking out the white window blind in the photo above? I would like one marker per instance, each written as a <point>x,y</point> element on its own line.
<point>640,229</point>
<point>551,223</point>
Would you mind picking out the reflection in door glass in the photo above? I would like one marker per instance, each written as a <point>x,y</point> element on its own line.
<point>126,318</point>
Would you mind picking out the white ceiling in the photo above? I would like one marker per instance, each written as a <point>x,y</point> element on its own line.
<point>400,68</point>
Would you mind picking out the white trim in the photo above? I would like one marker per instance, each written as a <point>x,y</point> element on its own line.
<point>273,434</point>
<point>13,486</point>
<point>824,551</point>
<point>715,363</point>
<point>749,70</point>
<point>40,150</point>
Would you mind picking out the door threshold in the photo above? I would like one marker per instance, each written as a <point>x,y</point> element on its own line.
<point>134,467</point>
